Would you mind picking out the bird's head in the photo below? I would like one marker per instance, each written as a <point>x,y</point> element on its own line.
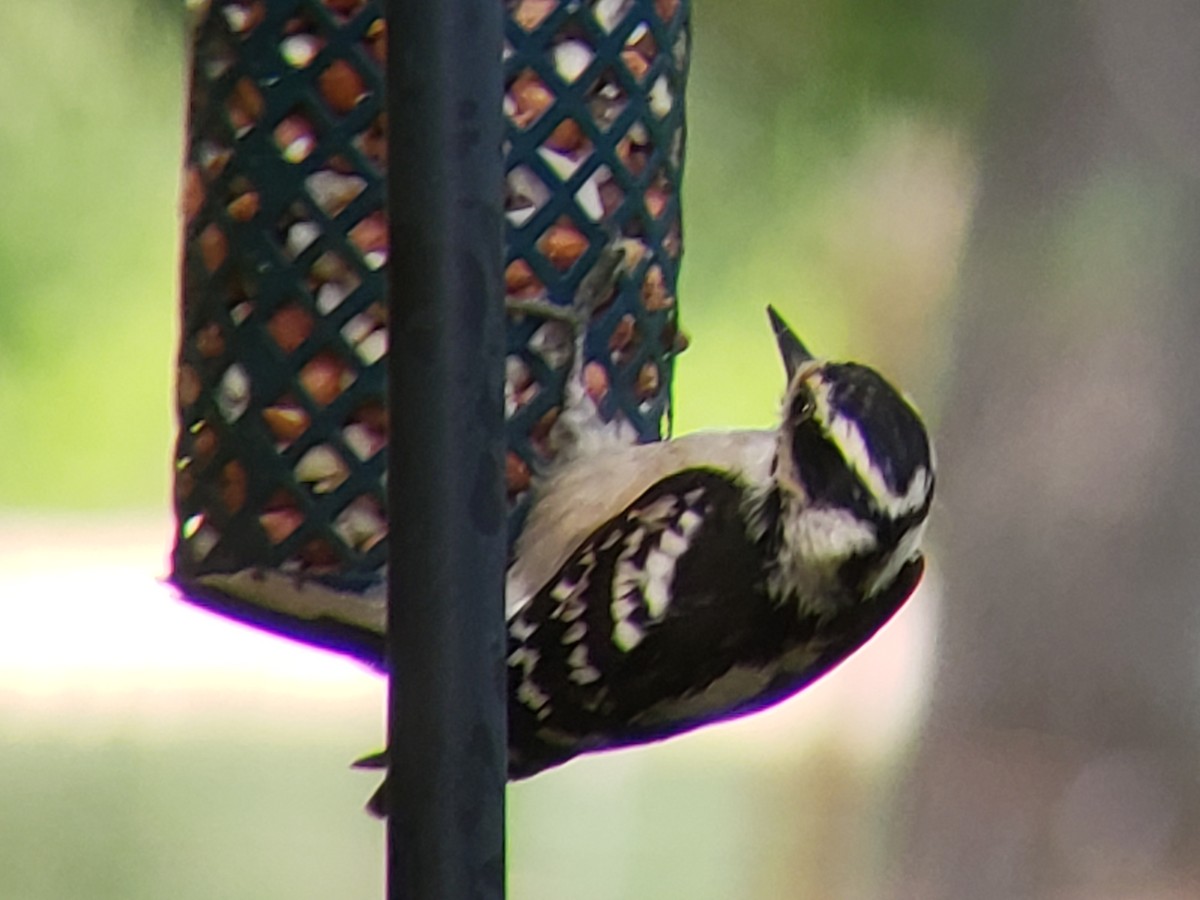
<point>854,460</point>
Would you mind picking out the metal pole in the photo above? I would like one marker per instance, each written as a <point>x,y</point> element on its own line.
<point>446,637</point>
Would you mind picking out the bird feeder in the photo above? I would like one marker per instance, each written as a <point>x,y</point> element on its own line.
<point>283,415</point>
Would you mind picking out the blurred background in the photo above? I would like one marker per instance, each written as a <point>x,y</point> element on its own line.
<point>997,203</point>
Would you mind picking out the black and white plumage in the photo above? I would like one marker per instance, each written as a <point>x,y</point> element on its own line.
<point>657,588</point>
<point>662,587</point>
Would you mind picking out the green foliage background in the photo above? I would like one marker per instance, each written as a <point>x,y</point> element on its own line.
<point>90,149</point>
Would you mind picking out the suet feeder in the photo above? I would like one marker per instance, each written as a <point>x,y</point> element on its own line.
<point>280,462</point>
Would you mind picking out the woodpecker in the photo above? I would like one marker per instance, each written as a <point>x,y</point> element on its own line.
<point>657,588</point>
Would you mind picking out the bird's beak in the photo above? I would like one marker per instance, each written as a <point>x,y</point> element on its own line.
<point>793,352</point>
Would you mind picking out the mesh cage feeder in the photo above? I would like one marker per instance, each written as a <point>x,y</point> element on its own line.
<point>281,456</point>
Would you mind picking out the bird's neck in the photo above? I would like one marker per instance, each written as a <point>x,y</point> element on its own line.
<point>806,549</point>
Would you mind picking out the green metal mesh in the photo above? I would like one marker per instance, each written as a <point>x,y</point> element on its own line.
<point>281,385</point>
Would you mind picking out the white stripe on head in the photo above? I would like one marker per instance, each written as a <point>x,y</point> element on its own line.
<point>847,436</point>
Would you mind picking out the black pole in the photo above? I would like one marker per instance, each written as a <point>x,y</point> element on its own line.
<point>446,491</point>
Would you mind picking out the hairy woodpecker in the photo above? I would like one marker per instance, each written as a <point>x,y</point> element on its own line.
<point>660,587</point>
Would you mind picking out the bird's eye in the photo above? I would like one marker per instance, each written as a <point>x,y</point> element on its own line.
<point>802,406</point>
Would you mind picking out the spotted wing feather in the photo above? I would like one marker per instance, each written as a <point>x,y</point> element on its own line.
<point>660,622</point>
